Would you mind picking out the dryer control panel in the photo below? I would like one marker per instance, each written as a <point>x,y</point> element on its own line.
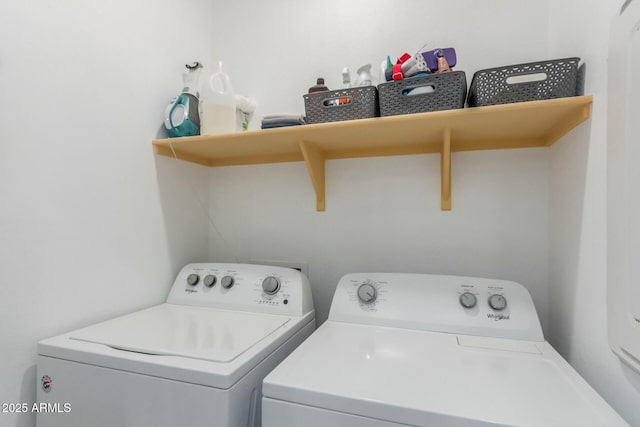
<point>453,304</point>
<point>244,287</point>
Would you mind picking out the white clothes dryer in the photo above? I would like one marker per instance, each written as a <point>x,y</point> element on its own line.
<point>197,360</point>
<point>426,350</point>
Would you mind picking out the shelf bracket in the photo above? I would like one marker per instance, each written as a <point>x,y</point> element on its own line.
<point>569,122</point>
<point>445,171</point>
<point>314,158</point>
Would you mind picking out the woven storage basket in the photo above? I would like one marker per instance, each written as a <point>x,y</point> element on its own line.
<point>435,92</point>
<point>556,78</point>
<point>327,106</point>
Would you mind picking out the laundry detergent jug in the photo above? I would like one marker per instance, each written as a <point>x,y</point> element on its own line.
<point>218,113</point>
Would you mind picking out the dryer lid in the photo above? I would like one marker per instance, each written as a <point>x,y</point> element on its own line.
<point>192,332</point>
<point>423,378</point>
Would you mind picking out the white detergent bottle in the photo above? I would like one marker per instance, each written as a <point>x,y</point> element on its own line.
<point>218,104</point>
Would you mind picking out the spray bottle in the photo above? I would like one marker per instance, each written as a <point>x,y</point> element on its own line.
<point>364,76</point>
<point>182,116</point>
<point>218,104</point>
<point>346,78</point>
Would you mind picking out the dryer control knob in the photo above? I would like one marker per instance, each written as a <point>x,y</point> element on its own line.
<point>193,279</point>
<point>271,285</point>
<point>468,300</point>
<point>367,293</point>
<point>227,282</point>
<point>497,302</point>
<point>209,280</point>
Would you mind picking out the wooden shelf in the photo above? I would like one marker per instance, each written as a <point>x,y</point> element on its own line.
<point>521,125</point>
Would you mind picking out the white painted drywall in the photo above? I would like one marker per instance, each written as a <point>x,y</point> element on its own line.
<point>92,224</point>
<point>578,206</point>
<point>382,214</point>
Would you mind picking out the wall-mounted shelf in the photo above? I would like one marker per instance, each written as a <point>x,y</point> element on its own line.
<point>521,125</point>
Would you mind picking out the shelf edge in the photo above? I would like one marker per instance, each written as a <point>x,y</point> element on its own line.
<point>167,151</point>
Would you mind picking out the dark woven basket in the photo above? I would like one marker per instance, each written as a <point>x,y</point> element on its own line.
<point>327,106</point>
<point>435,92</point>
<point>558,78</point>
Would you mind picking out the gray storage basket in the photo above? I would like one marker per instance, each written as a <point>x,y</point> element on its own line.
<point>435,92</point>
<point>491,86</point>
<point>323,107</point>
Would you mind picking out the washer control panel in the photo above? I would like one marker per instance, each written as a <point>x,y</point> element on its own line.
<point>246,287</point>
<point>452,304</point>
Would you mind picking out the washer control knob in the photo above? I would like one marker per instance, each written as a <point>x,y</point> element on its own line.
<point>227,282</point>
<point>367,293</point>
<point>497,302</point>
<point>271,285</point>
<point>193,279</point>
<point>209,280</point>
<point>468,300</point>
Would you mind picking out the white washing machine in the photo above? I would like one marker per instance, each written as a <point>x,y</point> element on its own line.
<point>425,350</point>
<point>197,360</point>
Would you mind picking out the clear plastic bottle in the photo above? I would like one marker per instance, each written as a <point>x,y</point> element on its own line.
<point>218,104</point>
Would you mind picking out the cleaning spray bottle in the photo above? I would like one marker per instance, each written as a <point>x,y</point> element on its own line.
<point>182,116</point>
<point>364,76</point>
<point>218,104</point>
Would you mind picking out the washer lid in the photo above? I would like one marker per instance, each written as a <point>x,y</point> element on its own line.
<point>425,378</point>
<point>192,332</point>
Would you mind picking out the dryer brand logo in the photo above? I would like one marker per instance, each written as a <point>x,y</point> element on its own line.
<point>47,383</point>
<point>498,316</point>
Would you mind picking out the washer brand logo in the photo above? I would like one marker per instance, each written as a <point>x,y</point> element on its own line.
<point>498,317</point>
<point>47,383</point>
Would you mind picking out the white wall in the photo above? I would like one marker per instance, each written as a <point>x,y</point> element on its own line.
<point>91,223</point>
<point>382,214</point>
<point>578,203</point>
